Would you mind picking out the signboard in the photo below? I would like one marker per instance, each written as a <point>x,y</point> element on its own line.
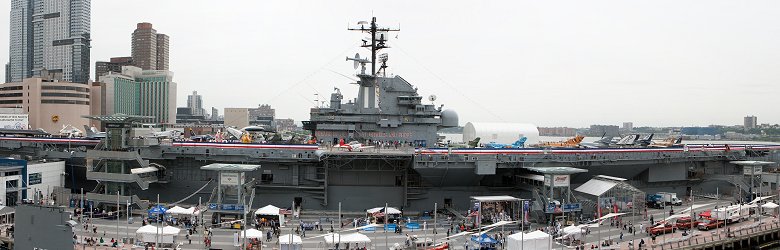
<point>226,207</point>
<point>558,180</point>
<point>572,207</point>
<point>232,179</point>
<point>13,121</point>
<point>752,170</point>
<point>34,178</point>
<point>567,208</point>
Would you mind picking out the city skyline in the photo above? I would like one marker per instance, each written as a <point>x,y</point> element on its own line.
<point>657,64</point>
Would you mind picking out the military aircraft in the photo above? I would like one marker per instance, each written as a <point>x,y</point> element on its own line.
<point>573,142</point>
<point>70,131</point>
<point>668,142</point>
<point>93,133</point>
<point>168,134</point>
<point>604,142</point>
<point>517,144</point>
<point>352,146</point>
<point>471,144</point>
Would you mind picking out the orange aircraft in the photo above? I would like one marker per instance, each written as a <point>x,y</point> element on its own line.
<point>570,143</point>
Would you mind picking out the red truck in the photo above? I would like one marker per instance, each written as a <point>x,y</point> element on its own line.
<point>686,223</point>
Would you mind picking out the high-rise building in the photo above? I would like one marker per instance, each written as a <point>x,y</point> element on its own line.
<point>50,104</point>
<point>263,115</point>
<point>162,51</point>
<point>195,104</point>
<point>51,36</point>
<point>138,92</point>
<point>751,122</point>
<point>113,65</point>
<point>149,49</point>
<point>236,117</point>
<point>628,126</point>
<point>214,114</point>
<point>604,130</point>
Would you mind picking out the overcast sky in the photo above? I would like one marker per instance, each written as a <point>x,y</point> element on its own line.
<point>551,63</point>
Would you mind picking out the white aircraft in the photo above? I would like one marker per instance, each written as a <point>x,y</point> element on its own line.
<point>352,146</point>
<point>168,134</point>
<point>70,131</point>
<point>93,133</point>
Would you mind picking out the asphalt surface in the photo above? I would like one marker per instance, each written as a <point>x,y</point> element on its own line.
<point>224,238</point>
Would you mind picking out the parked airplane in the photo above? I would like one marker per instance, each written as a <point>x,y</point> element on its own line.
<point>573,142</point>
<point>352,146</point>
<point>517,144</point>
<point>471,144</point>
<point>93,133</point>
<point>70,131</point>
<point>166,134</point>
<point>604,142</point>
<point>668,142</point>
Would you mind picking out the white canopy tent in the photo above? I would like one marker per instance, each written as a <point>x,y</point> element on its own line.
<point>151,233</point>
<point>770,205</point>
<point>536,240</point>
<point>271,210</point>
<point>390,210</point>
<point>176,210</point>
<point>331,239</point>
<point>573,231</point>
<point>251,234</point>
<point>290,242</point>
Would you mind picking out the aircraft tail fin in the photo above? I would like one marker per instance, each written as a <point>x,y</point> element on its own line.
<point>89,132</point>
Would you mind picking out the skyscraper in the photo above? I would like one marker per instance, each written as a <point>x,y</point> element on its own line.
<point>51,36</point>
<point>113,65</point>
<point>195,104</point>
<point>138,92</point>
<point>750,122</point>
<point>162,52</point>
<point>149,49</point>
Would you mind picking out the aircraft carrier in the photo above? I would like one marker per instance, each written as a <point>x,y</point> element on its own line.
<point>412,174</point>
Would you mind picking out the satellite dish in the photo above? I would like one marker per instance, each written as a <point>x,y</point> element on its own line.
<point>356,63</point>
<point>432,98</point>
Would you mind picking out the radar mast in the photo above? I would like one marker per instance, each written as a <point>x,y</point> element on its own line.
<point>378,41</point>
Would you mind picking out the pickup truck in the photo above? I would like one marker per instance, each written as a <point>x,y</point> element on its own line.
<point>667,228</point>
<point>708,224</point>
<point>686,223</point>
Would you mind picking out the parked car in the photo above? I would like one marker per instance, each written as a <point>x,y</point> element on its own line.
<point>686,223</point>
<point>708,224</point>
<point>659,230</point>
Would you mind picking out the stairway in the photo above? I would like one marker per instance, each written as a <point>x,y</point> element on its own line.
<point>415,187</point>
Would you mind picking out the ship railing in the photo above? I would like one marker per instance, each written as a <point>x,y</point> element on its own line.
<point>720,237</point>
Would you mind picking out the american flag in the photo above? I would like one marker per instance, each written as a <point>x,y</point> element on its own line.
<point>380,213</point>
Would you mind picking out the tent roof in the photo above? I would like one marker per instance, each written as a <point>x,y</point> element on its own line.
<point>230,167</point>
<point>285,239</point>
<point>770,205</point>
<point>557,170</point>
<point>268,210</point>
<point>252,233</point>
<point>6,210</point>
<point>752,163</point>
<point>390,210</point>
<point>536,235</point>
<point>149,229</point>
<point>176,210</point>
<point>494,198</point>
<point>346,238</point>
<point>595,187</point>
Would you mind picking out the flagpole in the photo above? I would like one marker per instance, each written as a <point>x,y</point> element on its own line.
<point>157,230</point>
<point>386,224</point>
<point>435,208</point>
